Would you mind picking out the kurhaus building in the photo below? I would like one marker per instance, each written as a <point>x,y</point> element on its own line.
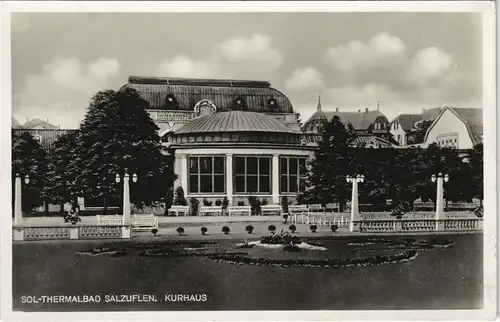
<point>231,138</point>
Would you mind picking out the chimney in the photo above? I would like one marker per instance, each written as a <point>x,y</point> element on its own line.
<point>336,109</point>
<point>359,111</point>
<point>366,110</point>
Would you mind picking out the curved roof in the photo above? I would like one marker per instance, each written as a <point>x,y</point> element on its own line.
<point>38,123</point>
<point>235,121</point>
<point>256,95</point>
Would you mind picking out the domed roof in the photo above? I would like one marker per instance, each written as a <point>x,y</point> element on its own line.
<point>235,121</point>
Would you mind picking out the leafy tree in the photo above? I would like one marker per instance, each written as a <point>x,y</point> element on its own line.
<point>422,128</point>
<point>477,166</point>
<point>118,135</point>
<point>29,158</point>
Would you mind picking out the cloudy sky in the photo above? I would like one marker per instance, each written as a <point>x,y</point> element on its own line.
<point>407,61</point>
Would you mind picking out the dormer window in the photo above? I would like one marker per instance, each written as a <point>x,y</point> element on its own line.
<point>240,104</point>
<point>272,104</point>
<point>171,102</point>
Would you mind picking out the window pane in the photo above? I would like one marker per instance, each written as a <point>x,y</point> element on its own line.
<point>302,166</point>
<point>251,183</point>
<point>293,166</point>
<point>239,183</point>
<point>264,165</point>
<point>251,165</point>
<point>193,165</point>
<point>284,184</point>
<point>219,183</point>
<point>219,165</point>
<point>206,183</point>
<point>206,165</point>
<point>239,165</point>
<point>283,166</point>
<point>292,184</point>
<point>193,183</point>
<point>264,184</point>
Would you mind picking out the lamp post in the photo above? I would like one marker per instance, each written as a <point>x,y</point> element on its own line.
<point>18,205</point>
<point>354,199</point>
<point>440,195</point>
<point>126,196</point>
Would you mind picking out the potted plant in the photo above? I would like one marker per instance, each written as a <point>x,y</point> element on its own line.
<point>334,228</point>
<point>195,205</point>
<point>313,228</point>
<point>241,203</point>
<point>255,205</point>
<point>249,229</point>
<point>225,230</point>
<point>292,228</point>
<point>264,202</point>
<point>206,203</point>
<point>272,229</point>
<point>180,231</point>
<point>203,230</point>
<point>218,202</point>
<point>154,231</point>
<point>72,215</point>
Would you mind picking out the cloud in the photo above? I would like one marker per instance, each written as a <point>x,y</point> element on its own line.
<point>304,79</point>
<point>428,65</point>
<point>62,90</point>
<point>253,57</point>
<point>382,49</point>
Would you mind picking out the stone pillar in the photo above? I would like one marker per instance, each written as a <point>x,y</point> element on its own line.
<point>439,201</point>
<point>126,200</point>
<point>177,171</point>
<point>18,212</point>
<point>354,204</point>
<point>81,203</point>
<point>276,179</point>
<point>184,173</point>
<point>229,177</point>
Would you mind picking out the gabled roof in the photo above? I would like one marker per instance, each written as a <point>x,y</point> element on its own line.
<point>471,117</point>
<point>224,93</point>
<point>359,120</point>
<point>431,114</point>
<point>40,123</point>
<point>407,121</point>
<point>367,140</point>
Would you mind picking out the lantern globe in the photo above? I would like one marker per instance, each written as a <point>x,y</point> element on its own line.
<point>117,178</point>
<point>27,179</point>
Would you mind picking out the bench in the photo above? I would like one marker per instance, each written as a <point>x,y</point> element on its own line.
<point>270,209</point>
<point>315,208</point>
<point>210,209</point>
<point>179,209</point>
<point>333,207</point>
<point>109,220</point>
<point>144,222</point>
<point>240,209</point>
<point>297,209</point>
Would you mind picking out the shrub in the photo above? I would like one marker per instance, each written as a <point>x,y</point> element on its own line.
<point>154,231</point>
<point>284,204</point>
<point>264,202</point>
<point>249,229</point>
<point>179,199</point>
<point>180,230</point>
<point>285,217</point>
<point>195,205</point>
<point>272,229</point>
<point>226,230</point>
<point>218,202</point>
<point>255,205</point>
<point>203,230</point>
<point>206,203</point>
<point>334,228</point>
<point>292,228</point>
<point>241,203</point>
<point>224,205</point>
<point>313,228</point>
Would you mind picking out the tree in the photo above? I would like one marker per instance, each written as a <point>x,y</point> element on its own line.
<point>332,162</point>
<point>422,128</point>
<point>477,166</point>
<point>29,158</point>
<point>118,136</point>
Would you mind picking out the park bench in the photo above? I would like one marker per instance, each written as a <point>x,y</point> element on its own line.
<point>297,209</point>
<point>179,209</point>
<point>240,209</point>
<point>144,222</point>
<point>217,210</point>
<point>315,208</point>
<point>266,209</point>
<point>333,207</point>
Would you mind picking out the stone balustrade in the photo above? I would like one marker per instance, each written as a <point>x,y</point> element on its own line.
<point>20,233</point>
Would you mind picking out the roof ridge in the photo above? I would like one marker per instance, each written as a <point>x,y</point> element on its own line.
<point>197,81</point>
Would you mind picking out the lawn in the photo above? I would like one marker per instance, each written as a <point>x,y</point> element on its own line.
<point>441,278</point>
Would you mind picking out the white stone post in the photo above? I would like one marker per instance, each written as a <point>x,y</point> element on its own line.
<point>354,204</point>
<point>229,177</point>
<point>439,201</point>
<point>18,212</point>
<point>126,200</point>
<point>276,179</point>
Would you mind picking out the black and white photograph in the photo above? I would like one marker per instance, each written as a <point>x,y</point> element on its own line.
<point>323,160</point>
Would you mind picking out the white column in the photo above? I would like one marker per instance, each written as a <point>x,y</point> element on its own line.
<point>184,172</point>
<point>229,177</point>
<point>439,199</point>
<point>126,200</point>
<point>354,204</point>
<point>178,171</point>
<point>18,212</point>
<point>276,179</point>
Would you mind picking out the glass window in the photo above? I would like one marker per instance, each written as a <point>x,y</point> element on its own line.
<point>206,174</point>
<point>252,174</point>
<point>292,171</point>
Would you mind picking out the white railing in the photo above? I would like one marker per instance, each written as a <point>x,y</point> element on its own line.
<point>240,210</point>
